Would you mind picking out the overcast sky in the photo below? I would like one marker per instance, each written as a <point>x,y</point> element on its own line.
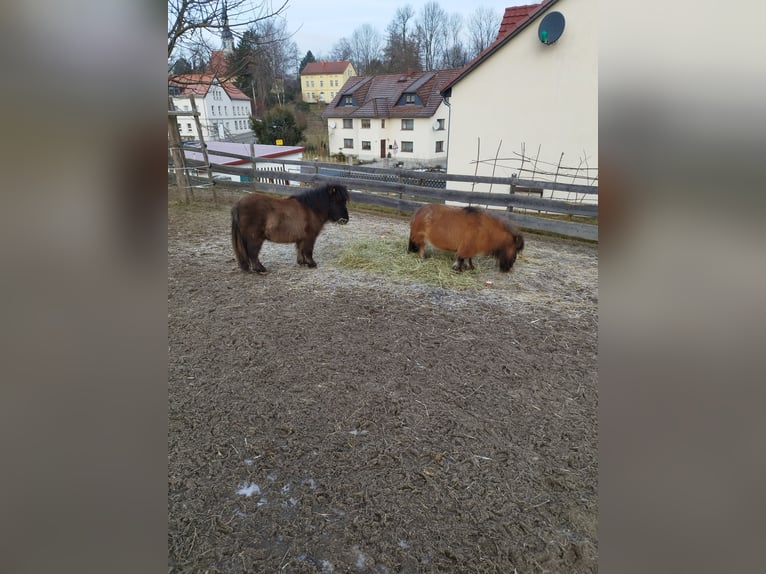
<point>318,25</point>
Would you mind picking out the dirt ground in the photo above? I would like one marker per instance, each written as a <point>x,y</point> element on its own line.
<point>327,420</point>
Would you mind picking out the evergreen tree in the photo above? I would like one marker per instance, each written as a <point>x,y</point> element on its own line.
<point>278,123</point>
<point>307,59</point>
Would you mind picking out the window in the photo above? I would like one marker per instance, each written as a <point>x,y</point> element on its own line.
<point>219,110</point>
<point>408,124</point>
<point>439,147</point>
<point>440,124</point>
<point>366,145</point>
<point>348,144</point>
<point>321,83</point>
<point>407,146</point>
<point>188,127</point>
<point>348,101</point>
<point>348,123</point>
<point>307,84</point>
<point>383,124</point>
<point>365,124</point>
<point>226,110</point>
<point>212,110</point>
<point>409,98</point>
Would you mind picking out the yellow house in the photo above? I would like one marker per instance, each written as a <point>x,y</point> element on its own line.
<point>320,81</point>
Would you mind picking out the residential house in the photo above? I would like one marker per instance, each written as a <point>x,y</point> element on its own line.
<point>224,109</point>
<point>528,94</point>
<point>397,116</point>
<point>259,151</point>
<point>320,81</point>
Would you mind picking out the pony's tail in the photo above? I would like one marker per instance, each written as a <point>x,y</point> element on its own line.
<point>240,250</point>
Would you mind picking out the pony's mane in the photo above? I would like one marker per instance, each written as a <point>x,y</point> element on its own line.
<point>318,198</point>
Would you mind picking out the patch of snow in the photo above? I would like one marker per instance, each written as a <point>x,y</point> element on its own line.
<point>249,489</point>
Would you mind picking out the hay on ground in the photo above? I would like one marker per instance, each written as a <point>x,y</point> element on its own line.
<point>390,256</point>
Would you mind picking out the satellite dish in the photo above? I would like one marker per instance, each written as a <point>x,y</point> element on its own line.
<point>551,27</point>
<point>332,125</point>
<point>435,125</point>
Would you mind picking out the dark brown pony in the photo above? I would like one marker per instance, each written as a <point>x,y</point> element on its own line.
<point>296,219</point>
<point>467,231</point>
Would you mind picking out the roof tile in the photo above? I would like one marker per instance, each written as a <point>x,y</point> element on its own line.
<point>377,96</point>
<point>323,67</point>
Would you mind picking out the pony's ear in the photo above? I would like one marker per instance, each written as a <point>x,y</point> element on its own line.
<point>331,189</point>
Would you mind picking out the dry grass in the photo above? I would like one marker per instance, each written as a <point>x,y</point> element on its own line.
<point>389,256</point>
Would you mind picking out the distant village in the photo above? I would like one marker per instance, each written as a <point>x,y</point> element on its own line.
<point>528,100</point>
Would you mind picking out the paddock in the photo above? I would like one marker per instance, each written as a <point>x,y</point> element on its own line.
<point>336,420</point>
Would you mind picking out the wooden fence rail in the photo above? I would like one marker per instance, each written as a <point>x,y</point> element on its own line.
<point>407,197</point>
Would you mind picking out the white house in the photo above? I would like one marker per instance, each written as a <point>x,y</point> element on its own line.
<point>398,116</point>
<point>530,92</point>
<point>260,151</point>
<point>224,109</point>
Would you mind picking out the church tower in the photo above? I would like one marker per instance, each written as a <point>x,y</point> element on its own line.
<point>226,35</point>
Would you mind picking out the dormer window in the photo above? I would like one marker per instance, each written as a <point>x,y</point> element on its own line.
<point>348,101</point>
<point>410,99</point>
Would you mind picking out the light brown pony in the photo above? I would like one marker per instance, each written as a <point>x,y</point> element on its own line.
<point>467,231</point>
<point>296,219</point>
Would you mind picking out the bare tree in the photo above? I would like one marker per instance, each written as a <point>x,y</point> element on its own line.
<point>401,50</point>
<point>190,22</point>
<point>455,55</point>
<point>342,51</point>
<point>262,61</point>
<point>366,45</point>
<point>430,35</point>
<point>483,26</point>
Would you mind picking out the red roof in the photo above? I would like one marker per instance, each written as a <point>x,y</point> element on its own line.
<point>314,68</point>
<point>199,84</point>
<point>514,20</point>
<point>514,17</point>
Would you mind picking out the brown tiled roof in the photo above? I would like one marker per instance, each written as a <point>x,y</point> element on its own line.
<point>378,96</point>
<point>515,19</point>
<point>314,68</point>
<point>199,84</point>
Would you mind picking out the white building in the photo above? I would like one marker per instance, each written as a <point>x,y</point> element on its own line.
<point>530,92</point>
<point>225,110</point>
<point>396,116</point>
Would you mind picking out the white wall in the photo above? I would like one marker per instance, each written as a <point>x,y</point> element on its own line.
<point>543,96</point>
<point>423,136</point>
<point>220,116</point>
